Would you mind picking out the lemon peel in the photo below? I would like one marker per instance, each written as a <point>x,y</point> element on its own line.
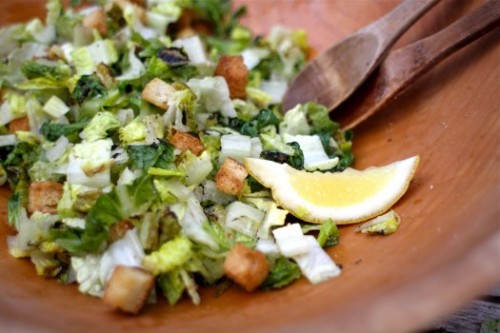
<point>345,197</point>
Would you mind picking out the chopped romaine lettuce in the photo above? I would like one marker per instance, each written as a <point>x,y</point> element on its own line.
<point>99,126</point>
<point>385,224</point>
<point>173,254</point>
<point>328,234</point>
<point>282,274</point>
<point>244,218</point>
<point>147,156</point>
<point>53,131</point>
<point>172,286</point>
<point>77,92</point>
<point>88,86</point>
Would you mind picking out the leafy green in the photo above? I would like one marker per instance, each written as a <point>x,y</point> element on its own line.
<point>46,263</point>
<point>138,196</point>
<point>266,67</point>
<point>171,255</point>
<point>149,47</point>
<point>158,68</point>
<point>490,326</point>
<point>33,69</point>
<point>252,128</point>
<point>158,226</point>
<point>53,131</point>
<point>13,206</point>
<point>219,14</point>
<point>3,175</point>
<point>23,155</point>
<point>66,237</point>
<point>134,131</point>
<point>75,3</point>
<point>105,212</point>
<point>344,140</point>
<point>99,126</point>
<point>110,208</point>
<point>172,286</point>
<point>217,232</point>
<point>296,160</point>
<point>319,118</point>
<point>156,155</point>
<point>248,128</point>
<point>86,87</point>
<point>207,263</point>
<point>282,274</point>
<point>265,118</point>
<point>65,25</point>
<point>384,224</point>
<point>328,234</point>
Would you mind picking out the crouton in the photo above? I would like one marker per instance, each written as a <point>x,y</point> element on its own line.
<point>158,92</point>
<point>231,176</point>
<point>96,20</point>
<point>44,196</point>
<point>185,141</point>
<point>118,230</point>
<point>128,288</point>
<point>235,72</point>
<point>20,124</point>
<point>248,268</point>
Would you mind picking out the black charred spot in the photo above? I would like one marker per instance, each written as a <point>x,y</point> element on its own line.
<point>173,56</point>
<point>275,156</point>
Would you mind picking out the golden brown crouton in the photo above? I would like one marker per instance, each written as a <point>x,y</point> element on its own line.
<point>158,92</point>
<point>185,141</point>
<point>235,72</point>
<point>248,268</point>
<point>128,288</point>
<point>231,176</point>
<point>19,124</point>
<point>96,20</point>
<point>44,196</point>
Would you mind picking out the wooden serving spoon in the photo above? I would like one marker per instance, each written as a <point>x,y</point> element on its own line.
<point>333,76</point>
<point>404,66</point>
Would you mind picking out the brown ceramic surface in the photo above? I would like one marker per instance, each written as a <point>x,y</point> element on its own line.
<point>448,247</point>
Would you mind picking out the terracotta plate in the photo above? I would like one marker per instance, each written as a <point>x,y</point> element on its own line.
<point>448,247</point>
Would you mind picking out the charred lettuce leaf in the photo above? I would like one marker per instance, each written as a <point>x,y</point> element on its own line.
<point>88,86</point>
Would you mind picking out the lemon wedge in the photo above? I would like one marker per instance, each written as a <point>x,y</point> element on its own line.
<point>345,197</point>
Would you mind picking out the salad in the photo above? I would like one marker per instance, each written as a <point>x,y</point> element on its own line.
<point>123,130</point>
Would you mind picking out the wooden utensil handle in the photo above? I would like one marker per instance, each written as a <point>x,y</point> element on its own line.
<point>404,66</point>
<point>390,27</point>
<point>409,63</point>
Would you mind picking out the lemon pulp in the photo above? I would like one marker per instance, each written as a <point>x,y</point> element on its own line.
<point>340,189</point>
<point>347,197</point>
